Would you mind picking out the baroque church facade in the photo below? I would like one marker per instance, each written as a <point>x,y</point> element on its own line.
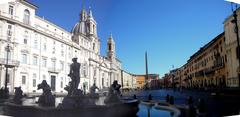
<point>41,50</point>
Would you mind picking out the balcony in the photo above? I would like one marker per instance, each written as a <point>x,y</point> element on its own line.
<point>11,63</point>
<point>218,66</point>
<point>209,71</point>
<point>53,70</point>
<point>199,74</point>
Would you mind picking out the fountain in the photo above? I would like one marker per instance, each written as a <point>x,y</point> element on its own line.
<point>75,104</point>
<point>46,99</point>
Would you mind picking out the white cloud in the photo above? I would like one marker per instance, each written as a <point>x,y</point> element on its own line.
<point>234,1</point>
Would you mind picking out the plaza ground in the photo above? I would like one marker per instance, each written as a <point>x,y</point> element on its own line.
<point>216,106</point>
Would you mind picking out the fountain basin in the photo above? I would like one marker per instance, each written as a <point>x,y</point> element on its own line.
<point>162,106</point>
<point>126,108</point>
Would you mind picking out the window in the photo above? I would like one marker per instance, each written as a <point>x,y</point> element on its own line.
<point>85,69</point>
<point>35,44</point>
<point>9,31</point>
<point>25,37</point>
<point>94,29</point>
<point>8,78</point>
<point>10,10</point>
<point>24,58</point>
<point>102,79</point>
<point>44,62</point>
<point>53,51</point>
<point>69,52</point>
<point>34,82</point>
<point>95,72</point>
<point>7,54</point>
<point>93,46</point>
<point>35,60</point>
<point>61,85</point>
<point>109,47</point>
<point>34,79</point>
<point>53,64</point>
<point>25,41</point>
<point>62,65</point>
<point>23,80</point>
<point>44,46</point>
<point>26,18</point>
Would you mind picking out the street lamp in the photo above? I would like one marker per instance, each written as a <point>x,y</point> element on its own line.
<point>6,73</point>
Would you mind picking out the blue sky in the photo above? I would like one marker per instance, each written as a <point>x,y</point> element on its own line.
<point>170,31</point>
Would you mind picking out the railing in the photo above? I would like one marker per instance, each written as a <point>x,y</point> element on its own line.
<point>54,70</point>
<point>11,63</point>
<point>199,73</point>
<point>218,66</point>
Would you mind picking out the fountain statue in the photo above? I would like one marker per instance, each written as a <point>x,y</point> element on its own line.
<point>114,93</point>
<point>74,75</point>
<point>46,99</point>
<point>18,95</point>
<point>76,103</point>
<point>75,97</point>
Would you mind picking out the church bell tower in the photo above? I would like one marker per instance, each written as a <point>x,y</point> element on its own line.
<point>111,48</point>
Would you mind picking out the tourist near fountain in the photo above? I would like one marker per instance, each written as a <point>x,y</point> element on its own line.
<point>93,93</point>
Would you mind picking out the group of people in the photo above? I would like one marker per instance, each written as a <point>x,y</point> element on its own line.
<point>4,93</point>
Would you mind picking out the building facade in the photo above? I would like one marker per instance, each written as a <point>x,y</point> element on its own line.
<point>208,65</point>
<point>140,81</point>
<point>41,50</point>
<point>128,81</point>
<point>205,68</point>
<point>154,81</point>
<point>231,51</point>
<point>167,80</point>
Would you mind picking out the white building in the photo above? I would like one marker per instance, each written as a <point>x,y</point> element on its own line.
<point>41,50</point>
<point>128,81</point>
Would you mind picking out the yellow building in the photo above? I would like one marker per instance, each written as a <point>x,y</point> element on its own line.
<point>140,81</point>
<point>207,67</point>
<point>231,51</point>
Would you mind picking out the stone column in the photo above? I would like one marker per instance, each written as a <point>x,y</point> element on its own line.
<point>99,78</point>
<point>12,85</point>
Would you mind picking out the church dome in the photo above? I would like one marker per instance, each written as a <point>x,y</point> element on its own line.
<point>79,28</point>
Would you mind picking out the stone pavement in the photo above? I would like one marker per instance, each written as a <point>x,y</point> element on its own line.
<point>215,105</point>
